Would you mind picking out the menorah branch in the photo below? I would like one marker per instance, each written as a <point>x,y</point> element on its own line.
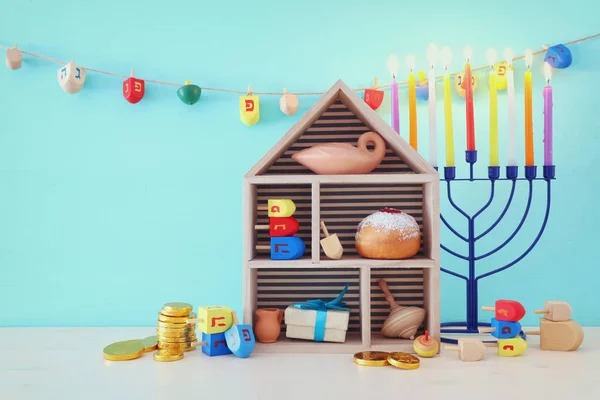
<point>478,213</point>
<point>457,208</point>
<point>455,254</point>
<point>537,238</point>
<point>510,197</point>
<point>510,238</point>
<point>454,274</point>
<point>452,229</point>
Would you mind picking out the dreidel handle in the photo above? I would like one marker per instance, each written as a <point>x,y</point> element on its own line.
<point>452,348</point>
<point>488,308</point>
<point>533,333</point>
<point>487,330</point>
<point>263,247</point>
<point>324,229</point>
<point>541,311</point>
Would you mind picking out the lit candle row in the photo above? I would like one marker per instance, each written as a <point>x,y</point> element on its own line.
<point>445,56</point>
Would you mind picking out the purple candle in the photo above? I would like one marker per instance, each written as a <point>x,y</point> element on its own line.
<point>547,117</point>
<point>393,66</point>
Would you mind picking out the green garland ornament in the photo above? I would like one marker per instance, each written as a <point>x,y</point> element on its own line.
<point>188,93</point>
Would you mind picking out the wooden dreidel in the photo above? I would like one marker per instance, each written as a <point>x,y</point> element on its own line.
<point>249,108</point>
<point>14,58</point>
<point>502,329</point>
<point>468,349</point>
<point>212,319</point>
<point>188,93</point>
<point>556,311</point>
<point>133,89</point>
<point>214,344</point>
<point>512,347</point>
<point>280,226</point>
<point>285,248</point>
<point>288,103</point>
<point>422,87</point>
<point>558,56</point>
<point>373,97</point>
<point>507,310</point>
<point>71,78</point>
<point>331,244</point>
<point>559,335</point>
<point>500,68</point>
<point>279,208</point>
<point>459,83</point>
<point>240,338</point>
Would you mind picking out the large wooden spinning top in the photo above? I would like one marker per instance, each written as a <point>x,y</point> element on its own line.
<point>403,322</point>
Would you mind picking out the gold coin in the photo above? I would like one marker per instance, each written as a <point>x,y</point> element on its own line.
<point>175,340</point>
<point>176,320</point>
<point>371,358</point>
<point>177,309</point>
<point>165,357</point>
<point>174,346</point>
<point>192,347</point>
<point>171,325</point>
<point>404,360</point>
<point>173,334</point>
<point>125,350</point>
<point>150,343</point>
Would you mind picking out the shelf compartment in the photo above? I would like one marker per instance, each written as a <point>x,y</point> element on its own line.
<point>343,207</point>
<point>347,261</point>
<point>286,345</point>
<point>278,288</point>
<point>300,194</point>
<point>407,287</point>
<point>380,343</point>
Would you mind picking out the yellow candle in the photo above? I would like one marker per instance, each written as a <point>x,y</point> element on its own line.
<point>493,120</point>
<point>448,120</point>
<point>412,108</point>
<point>529,160</point>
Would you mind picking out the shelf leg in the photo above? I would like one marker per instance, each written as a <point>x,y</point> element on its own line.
<point>316,223</point>
<point>365,306</point>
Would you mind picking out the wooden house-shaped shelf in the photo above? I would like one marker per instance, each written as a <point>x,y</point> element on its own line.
<point>404,180</point>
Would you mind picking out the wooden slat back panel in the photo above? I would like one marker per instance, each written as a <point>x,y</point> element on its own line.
<point>301,196</point>
<point>278,288</point>
<point>337,124</point>
<point>406,287</point>
<point>344,206</point>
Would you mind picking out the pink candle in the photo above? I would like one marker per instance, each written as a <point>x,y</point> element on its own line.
<point>393,66</point>
<point>547,118</point>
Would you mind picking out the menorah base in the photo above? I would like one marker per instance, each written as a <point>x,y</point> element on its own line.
<point>467,331</point>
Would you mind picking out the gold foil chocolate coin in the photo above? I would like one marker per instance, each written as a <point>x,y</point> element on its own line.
<point>176,320</point>
<point>150,343</point>
<point>177,309</point>
<point>125,350</point>
<point>403,360</point>
<point>164,356</point>
<point>371,358</point>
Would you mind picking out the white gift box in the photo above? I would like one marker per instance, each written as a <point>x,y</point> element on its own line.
<point>300,324</point>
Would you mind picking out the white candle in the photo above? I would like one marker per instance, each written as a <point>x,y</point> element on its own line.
<point>431,56</point>
<point>512,123</point>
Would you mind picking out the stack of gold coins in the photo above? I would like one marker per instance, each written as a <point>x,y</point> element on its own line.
<point>175,335</point>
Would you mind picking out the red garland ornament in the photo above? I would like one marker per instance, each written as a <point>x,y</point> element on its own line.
<point>133,89</point>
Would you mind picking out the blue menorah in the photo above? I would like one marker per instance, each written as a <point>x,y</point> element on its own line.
<point>472,324</point>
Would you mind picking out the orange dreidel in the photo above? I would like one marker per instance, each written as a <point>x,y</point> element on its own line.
<point>280,226</point>
<point>512,347</point>
<point>559,335</point>
<point>331,244</point>
<point>556,311</point>
<point>468,349</point>
<point>374,97</point>
<point>279,208</point>
<point>507,310</point>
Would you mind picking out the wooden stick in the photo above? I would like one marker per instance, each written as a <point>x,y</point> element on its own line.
<point>388,295</point>
<point>324,229</point>
<point>541,311</point>
<point>452,348</point>
<point>487,330</point>
<point>261,227</point>
<point>488,308</point>
<point>263,247</point>
<point>262,208</point>
<point>533,333</point>
<point>234,317</point>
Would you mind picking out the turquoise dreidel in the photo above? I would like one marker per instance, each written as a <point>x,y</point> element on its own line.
<point>240,338</point>
<point>502,329</point>
<point>422,87</point>
<point>558,56</point>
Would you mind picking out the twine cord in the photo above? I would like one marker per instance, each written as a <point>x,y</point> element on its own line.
<point>53,60</point>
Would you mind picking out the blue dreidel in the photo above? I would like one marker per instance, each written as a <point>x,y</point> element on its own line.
<point>502,329</point>
<point>240,339</point>
<point>422,89</point>
<point>558,56</point>
<point>214,344</point>
<point>285,248</point>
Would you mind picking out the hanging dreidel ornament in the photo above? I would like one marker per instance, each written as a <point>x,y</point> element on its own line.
<point>133,89</point>
<point>373,97</point>
<point>249,108</point>
<point>288,103</point>
<point>558,56</point>
<point>501,68</point>
<point>422,86</point>
<point>188,93</point>
<point>71,77</point>
<point>14,58</point>
<point>459,84</point>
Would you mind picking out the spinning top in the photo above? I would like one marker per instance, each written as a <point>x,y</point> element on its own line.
<point>426,346</point>
<point>188,93</point>
<point>402,322</point>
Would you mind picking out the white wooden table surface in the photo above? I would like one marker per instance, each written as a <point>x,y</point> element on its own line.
<point>67,363</point>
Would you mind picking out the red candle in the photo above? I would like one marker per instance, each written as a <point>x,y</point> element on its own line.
<point>468,86</point>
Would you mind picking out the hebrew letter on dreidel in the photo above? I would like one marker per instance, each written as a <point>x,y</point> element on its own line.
<point>240,339</point>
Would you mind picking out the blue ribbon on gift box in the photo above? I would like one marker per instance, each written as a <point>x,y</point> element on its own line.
<point>321,307</point>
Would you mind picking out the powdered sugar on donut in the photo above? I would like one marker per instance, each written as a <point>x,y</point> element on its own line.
<point>391,221</point>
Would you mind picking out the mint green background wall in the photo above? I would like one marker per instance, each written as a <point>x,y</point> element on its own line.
<point>108,210</point>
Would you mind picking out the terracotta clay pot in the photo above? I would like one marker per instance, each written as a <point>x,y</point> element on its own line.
<point>268,325</point>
